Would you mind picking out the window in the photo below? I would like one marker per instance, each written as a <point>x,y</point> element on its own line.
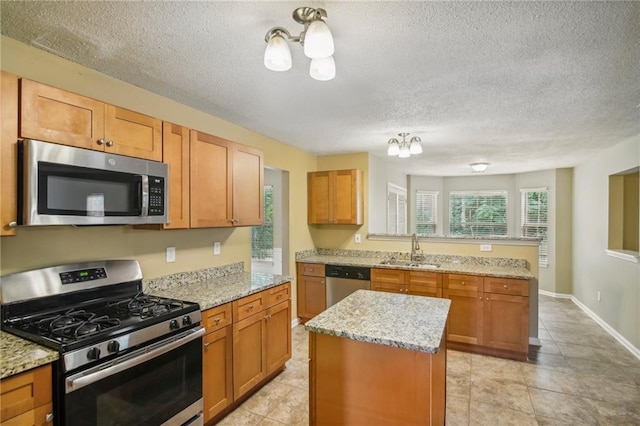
<point>426,212</point>
<point>396,209</point>
<point>478,213</point>
<point>534,219</point>
<point>262,236</point>
<point>624,213</point>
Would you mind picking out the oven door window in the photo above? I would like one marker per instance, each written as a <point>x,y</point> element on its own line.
<point>82,191</point>
<point>147,394</point>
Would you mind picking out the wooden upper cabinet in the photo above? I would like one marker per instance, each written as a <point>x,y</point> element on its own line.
<point>175,153</point>
<point>133,134</point>
<point>248,186</point>
<point>8,152</point>
<point>55,115</point>
<point>226,183</point>
<point>210,181</point>
<point>335,197</point>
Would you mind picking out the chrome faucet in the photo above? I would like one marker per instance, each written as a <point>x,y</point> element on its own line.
<point>415,246</point>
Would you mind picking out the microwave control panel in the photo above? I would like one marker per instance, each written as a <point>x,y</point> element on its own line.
<point>156,196</point>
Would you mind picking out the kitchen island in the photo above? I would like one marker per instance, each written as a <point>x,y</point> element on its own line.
<point>378,358</point>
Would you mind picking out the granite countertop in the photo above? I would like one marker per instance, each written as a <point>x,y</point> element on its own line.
<point>410,322</point>
<point>214,291</point>
<point>505,271</point>
<point>20,355</point>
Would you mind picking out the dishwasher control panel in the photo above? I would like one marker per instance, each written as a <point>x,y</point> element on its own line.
<point>349,272</point>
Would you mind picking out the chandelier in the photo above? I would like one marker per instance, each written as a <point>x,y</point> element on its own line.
<point>316,39</point>
<point>404,149</point>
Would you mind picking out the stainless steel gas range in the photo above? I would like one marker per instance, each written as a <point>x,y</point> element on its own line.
<point>125,357</point>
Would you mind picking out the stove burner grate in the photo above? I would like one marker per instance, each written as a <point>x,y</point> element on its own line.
<point>75,324</point>
<point>146,306</point>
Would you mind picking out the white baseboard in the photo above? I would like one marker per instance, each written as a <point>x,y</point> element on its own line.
<point>619,337</point>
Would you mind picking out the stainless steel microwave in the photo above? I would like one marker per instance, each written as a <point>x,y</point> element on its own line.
<point>63,185</point>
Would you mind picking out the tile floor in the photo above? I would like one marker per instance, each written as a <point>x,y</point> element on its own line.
<point>579,376</point>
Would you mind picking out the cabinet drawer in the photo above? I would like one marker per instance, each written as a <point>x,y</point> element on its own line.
<point>426,279</point>
<point>247,306</point>
<point>506,286</point>
<point>388,287</point>
<point>25,392</point>
<point>277,294</point>
<point>387,275</point>
<point>216,318</point>
<point>312,269</point>
<point>462,282</point>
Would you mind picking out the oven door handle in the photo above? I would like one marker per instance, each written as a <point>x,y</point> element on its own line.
<point>80,380</point>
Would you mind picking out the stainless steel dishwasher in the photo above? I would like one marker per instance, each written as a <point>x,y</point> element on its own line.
<point>344,280</point>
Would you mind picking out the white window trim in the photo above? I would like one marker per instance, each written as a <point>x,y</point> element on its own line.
<point>541,263</point>
<point>399,190</point>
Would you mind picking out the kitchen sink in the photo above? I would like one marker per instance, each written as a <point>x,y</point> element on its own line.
<point>407,263</point>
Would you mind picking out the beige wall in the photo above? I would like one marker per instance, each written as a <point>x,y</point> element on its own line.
<point>563,232</point>
<point>617,280</point>
<point>38,247</point>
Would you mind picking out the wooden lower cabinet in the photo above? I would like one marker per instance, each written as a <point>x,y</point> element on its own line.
<point>249,359</point>
<point>25,399</point>
<point>488,315</point>
<point>311,290</point>
<point>217,389</point>
<point>278,335</point>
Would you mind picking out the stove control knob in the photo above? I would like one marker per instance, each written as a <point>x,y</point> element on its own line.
<point>93,353</point>
<point>173,325</point>
<point>186,320</point>
<point>113,346</point>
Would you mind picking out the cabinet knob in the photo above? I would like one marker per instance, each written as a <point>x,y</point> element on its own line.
<point>267,317</point>
<point>206,345</point>
<point>487,298</point>
<point>13,224</point>
<point>250,307</point>
<point>279,296</point>
<point>505,286</point>
<point>463,283</point>
<point>48,418</point>
<point>101,141</point>
<point>217,321</point>
<point>110,143</point>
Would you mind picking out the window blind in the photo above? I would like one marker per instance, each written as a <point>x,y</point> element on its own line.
<point>533,215</point>
<point>426,212</point>
<point>396,209</point>
<point>478,213</point>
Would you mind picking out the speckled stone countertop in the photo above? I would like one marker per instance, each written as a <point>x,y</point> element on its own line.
<point>216,290</point>
<point>410,322</point>
<point>18,355</point>
<point>474,265</point>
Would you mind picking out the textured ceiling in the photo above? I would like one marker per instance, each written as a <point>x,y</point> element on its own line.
<point>522,85</point>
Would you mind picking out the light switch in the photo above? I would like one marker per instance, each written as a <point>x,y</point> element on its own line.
<point>486,247</point>
<point>216,248</point>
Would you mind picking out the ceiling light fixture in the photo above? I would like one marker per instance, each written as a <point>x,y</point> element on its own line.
<point>479,167</point>
<point>404,149</point>
<point>316,39</point>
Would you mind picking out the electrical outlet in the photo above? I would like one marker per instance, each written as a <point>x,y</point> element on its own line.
<point>171,254</point>
<point>216,248</point>
<point>486,247</point>
<point>598,296</point>
<point>358,238</point>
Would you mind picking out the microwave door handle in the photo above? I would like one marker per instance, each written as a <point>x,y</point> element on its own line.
<point>143,195</point>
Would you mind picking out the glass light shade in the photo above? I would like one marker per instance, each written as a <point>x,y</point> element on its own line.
<point>479,167</point>
<point>404,151</point>
<point>318,41</point>
<point>323,69</point>
<point>415,147</point>
<point>277,56</point>
<point>394,148</point>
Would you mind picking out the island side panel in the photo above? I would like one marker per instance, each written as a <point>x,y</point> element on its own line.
<point>355,383</point>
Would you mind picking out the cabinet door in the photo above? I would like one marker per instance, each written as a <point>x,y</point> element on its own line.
<point>347,197</point>
<point>175,153</point>
<point>133,134</point>
<point>217,389</point>
<point>312,296</point>
<point>55,115</point>
<point>8,152</point>
<point>210,176</point>
<point>465,316</point>
<point>506,322</point>
<point>278,335</point>
<point>387,287</point>
<point>249,360</point>
<point>248,187</point>
<point>319,186</point>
